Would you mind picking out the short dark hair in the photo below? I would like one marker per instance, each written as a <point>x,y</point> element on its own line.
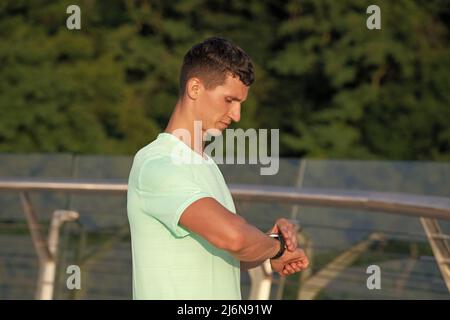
<point>214,58</point>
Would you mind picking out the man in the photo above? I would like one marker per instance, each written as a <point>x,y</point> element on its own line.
<point>187,240</point>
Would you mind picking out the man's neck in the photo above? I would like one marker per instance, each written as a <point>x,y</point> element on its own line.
<point>182,125</point>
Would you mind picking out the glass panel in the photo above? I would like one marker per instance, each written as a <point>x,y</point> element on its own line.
<point>99,242</point>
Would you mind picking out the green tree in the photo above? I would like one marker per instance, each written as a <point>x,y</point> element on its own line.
<point>334,88</point>
<point>362,93</point>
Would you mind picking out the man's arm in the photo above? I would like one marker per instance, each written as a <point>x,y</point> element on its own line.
<point>289,231</point>
<point>247,265</point>
<point>228,231</point>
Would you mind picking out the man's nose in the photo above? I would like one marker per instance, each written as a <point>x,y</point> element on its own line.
<point>235,113</point>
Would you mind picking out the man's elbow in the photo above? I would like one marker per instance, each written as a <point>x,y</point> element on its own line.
<point>236,243</point>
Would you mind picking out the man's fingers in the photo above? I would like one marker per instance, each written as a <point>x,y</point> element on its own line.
<point>289,268</point>
<point>304,263</point>
<point>293,267</point>
<point>290,245</point>
<point>298,266</point>
<point>285,233</point>
<point>290,237</point>
<point>294,242</point>
<point>301,262</point>
<point>292,270</point>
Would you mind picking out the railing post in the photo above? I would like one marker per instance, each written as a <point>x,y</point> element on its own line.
<point>46,250</point>
<point>440,247</point>
<point>261,281</point>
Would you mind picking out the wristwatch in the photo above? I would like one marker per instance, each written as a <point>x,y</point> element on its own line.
<point>279,237</point>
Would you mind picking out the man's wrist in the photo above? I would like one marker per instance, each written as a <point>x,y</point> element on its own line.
<point>280,238</point>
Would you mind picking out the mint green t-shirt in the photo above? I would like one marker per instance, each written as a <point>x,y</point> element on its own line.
<point>169,261</point>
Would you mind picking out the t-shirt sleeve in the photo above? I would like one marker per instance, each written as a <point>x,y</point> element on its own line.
<point>166,190</point>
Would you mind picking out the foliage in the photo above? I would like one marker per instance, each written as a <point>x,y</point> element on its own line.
<point>334,88</point>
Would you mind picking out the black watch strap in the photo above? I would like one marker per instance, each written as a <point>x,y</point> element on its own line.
<point>280,238</point>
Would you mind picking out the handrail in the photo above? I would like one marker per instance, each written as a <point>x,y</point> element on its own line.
<point>400,203</point>
<point>428,208</point>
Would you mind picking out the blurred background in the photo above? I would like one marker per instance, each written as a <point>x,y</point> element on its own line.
<point>357,109</point>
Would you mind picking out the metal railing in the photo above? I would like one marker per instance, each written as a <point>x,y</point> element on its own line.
<point>400,203</point>
<point>428,208</point>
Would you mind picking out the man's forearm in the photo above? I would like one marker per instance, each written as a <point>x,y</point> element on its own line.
<point>255,245</point>
<point>247,265</point>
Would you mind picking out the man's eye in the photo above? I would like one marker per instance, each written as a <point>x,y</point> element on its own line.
<point>229,101</point>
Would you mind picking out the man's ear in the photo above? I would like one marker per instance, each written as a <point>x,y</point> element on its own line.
<point>193,88</point>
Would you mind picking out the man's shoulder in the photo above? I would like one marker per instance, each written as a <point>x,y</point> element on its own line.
<point>153,153</point>
<point>158,166</point>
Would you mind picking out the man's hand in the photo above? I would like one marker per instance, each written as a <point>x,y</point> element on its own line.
<point>294,259</point>
<point>290,262</point>
<point>289,231</point>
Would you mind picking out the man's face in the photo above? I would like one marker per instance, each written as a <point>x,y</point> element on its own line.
<point>217,107</point>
